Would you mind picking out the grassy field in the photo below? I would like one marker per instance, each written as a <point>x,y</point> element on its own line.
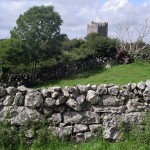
<point>135,140</point>
<point>122,74</point>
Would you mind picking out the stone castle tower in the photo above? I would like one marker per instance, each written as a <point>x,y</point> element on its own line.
<point>101,28</point>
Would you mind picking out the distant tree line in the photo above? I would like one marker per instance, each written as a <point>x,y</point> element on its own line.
<point>36,43</point>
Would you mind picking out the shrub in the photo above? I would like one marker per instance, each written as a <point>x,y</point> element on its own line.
<point>69,45</point>
<point>103,46</point>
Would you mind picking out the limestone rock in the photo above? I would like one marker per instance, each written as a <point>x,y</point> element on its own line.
<point>70,89</point>
<point>45,93</point>
<point>147,84</point>
<point>133,86</point>
<point>101,89</point>
<point>73,104</point>
<point>65,132</point>
<point>1,103</point>
<point>80,99</point>
<point>83,88</point>
<point>81,118</point>
<point>61,100</point>
<point>109,109</point>
<point>22,88</point>
<point>86,106</point>
<point>147,99</point>
<point>79,137</point>
<point>136,92</point>
<point>90,117</point>
<point>141,85</point>
<point>95,127</point>
<point>111,133</point>
<point>20,115</point>
<point>65,93</point>
<point>134,105</point>
<point>55,119</point>
<point>60,108</point>
<point>11,90</point>
<point>49,102</point>
<point>26,116</point>
<point>109,100</point>
<point>54,89</point>
<point>88,135</point>
<point>146,93</point>
<point>72,117</point>
<point>33,99</point>
<point>8,100</point>
<point>80,128</point>
<point>2,99</point>
<point>19,99</point>
<point>61,124</point>
<point>134,118</point>
<point>73,91</point>
<point>47,111</point>
<point>92,97</point>
<point>111,126</point>
<point>29,133</point>
<point>55,94</point>
<point>2,92</point>
<point>94,87</point>
<point>113,90</point>
<point>127,94</point>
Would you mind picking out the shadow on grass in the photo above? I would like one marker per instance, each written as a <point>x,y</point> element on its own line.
<point>78,74</point>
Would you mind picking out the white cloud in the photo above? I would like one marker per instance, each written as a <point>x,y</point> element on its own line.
<point>77,14</point>
<point>114,5</point>
<point>147,3</point>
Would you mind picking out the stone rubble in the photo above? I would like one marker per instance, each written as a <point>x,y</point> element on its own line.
<point>79,112</point>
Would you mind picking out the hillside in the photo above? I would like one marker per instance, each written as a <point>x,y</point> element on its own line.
<point>122,74</point>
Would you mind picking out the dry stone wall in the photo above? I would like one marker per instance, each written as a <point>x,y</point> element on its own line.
<point>61,70</point>
<point>76,113</point>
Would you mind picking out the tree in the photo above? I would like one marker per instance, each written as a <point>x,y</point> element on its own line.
<point>12,53</point>
<point>131,38</point>
<point>39,28</point>
<point>69,45</point>
<point>103,46</point>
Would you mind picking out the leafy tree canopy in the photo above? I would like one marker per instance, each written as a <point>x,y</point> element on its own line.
<point>12,53</point>
<point>70,45</point>
<point>101,45</point>
<point>39,28</point>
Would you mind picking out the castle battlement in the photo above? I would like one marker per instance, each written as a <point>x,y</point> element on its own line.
<point>98,27</point>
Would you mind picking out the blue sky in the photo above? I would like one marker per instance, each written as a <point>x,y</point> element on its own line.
<point>76,14</point>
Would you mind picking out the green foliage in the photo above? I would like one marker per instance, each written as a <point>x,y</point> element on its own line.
<point>70,45</point>
<point>101,45</point>
<point>13,54</point>
<point>93,44</point>
<point>76,54</point>
<point>144,54</point>
<point>141,133</point>
<point>10,139</point>
<point>39,28</point>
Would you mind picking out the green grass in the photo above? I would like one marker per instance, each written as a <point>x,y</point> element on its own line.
<point>123,74</point>
<point>136,140</point>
